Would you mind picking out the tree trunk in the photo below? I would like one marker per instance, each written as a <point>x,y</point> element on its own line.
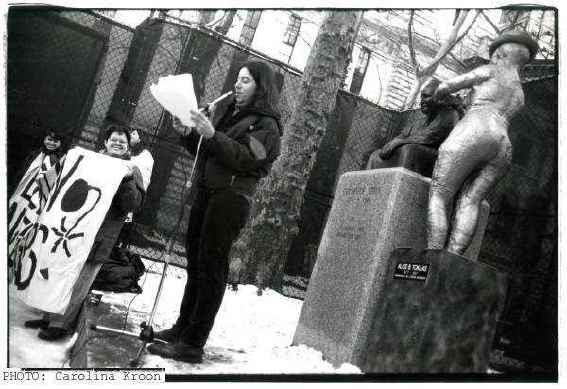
<point>260,254</point>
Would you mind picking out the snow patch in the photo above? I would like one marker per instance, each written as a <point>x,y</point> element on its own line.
<point>252,334</point>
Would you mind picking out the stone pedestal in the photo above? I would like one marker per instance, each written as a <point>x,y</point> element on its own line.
<point>438,314</point>
<point>374,212</point>
<point>417,158</point>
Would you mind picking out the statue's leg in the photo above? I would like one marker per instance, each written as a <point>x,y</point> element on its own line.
<point>468,202</point>
<point>457,159</point>
<point>445,183</point>
<point>438,218</point>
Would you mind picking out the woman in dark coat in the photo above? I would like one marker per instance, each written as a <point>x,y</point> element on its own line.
<point>53,148</point>
<point>240,143</point>
<point>37,174</point>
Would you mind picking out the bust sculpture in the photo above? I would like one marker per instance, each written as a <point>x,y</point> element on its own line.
<point>416,146</point>
<point>439,119</point>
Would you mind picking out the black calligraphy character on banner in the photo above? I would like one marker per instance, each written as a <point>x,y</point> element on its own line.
<point>73,200</point>
<point>61,181</point>
<point>30,235</point>
<point>27,195</point>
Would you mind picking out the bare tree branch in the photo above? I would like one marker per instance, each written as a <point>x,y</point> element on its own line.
<point>410,43</point>
<point>490,22</point>
<point>445,47</point>
<point>462,36</point>
<point>217,20</point>
<point>467,30</point>
<point>516,18</point>
<point>458,61</point>
<point>457,13</point>
<point>540,25</point>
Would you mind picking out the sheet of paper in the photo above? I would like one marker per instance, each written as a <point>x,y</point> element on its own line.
<point>177,95</point>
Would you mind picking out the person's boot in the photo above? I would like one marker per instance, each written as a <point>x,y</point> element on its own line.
<point>38,323</point>
<point>177,350</point>
<point>53,333</point>
<point>168,335</point>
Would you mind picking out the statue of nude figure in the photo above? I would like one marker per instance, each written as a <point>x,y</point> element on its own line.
<point>477,153</point>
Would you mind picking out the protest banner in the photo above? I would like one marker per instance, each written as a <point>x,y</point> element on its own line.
<point>29,198</point>
<point>52,251</point>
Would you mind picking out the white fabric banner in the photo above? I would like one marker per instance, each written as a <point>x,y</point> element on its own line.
<point>53,252</point>
<point>29,198</point>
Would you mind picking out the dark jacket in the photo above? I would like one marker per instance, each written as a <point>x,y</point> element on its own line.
<point>431,131</point>
<point>241,151</point>
<point>128,198</point>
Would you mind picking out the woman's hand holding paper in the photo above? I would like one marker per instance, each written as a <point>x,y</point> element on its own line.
<point>179,127</point>
<point>202,125</point>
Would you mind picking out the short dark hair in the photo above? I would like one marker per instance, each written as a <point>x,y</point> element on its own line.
<point>60,135</point>
<point>119,129</point>
<point>53,134</point>
<point>265,96</point>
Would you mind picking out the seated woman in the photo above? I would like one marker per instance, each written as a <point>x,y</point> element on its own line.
<point>38,173</point>
<point>128,198</point>
<point>140,157</point>
<point>439,118</point>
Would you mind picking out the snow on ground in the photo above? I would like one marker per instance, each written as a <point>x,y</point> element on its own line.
<point>25,348</point>
<point>252,334</point>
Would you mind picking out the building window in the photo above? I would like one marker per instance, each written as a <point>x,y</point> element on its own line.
<point>249,27</point>
<point>362,60</point>
<point>109,13</point>
<point>292,30</point>
<point>360,67</point>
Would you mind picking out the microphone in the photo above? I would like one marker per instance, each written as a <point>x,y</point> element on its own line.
<point>222,97</point>
<point>215,101</point>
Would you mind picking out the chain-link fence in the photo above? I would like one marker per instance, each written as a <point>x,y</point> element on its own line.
<point>521,237</point>
<point>356,128</point>
<point>44,88</point>
<point>118,38</point>
<point>158,48</point>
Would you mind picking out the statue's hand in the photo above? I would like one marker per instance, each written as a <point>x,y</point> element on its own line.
<point>440,93</point>
<point>388,149</point>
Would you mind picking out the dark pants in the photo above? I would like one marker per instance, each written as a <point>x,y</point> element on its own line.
<point>214,224</point>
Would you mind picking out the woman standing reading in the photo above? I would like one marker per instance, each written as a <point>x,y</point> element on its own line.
<point>241,141</point>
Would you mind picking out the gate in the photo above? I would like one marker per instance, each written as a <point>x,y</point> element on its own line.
<point>45,89</point>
